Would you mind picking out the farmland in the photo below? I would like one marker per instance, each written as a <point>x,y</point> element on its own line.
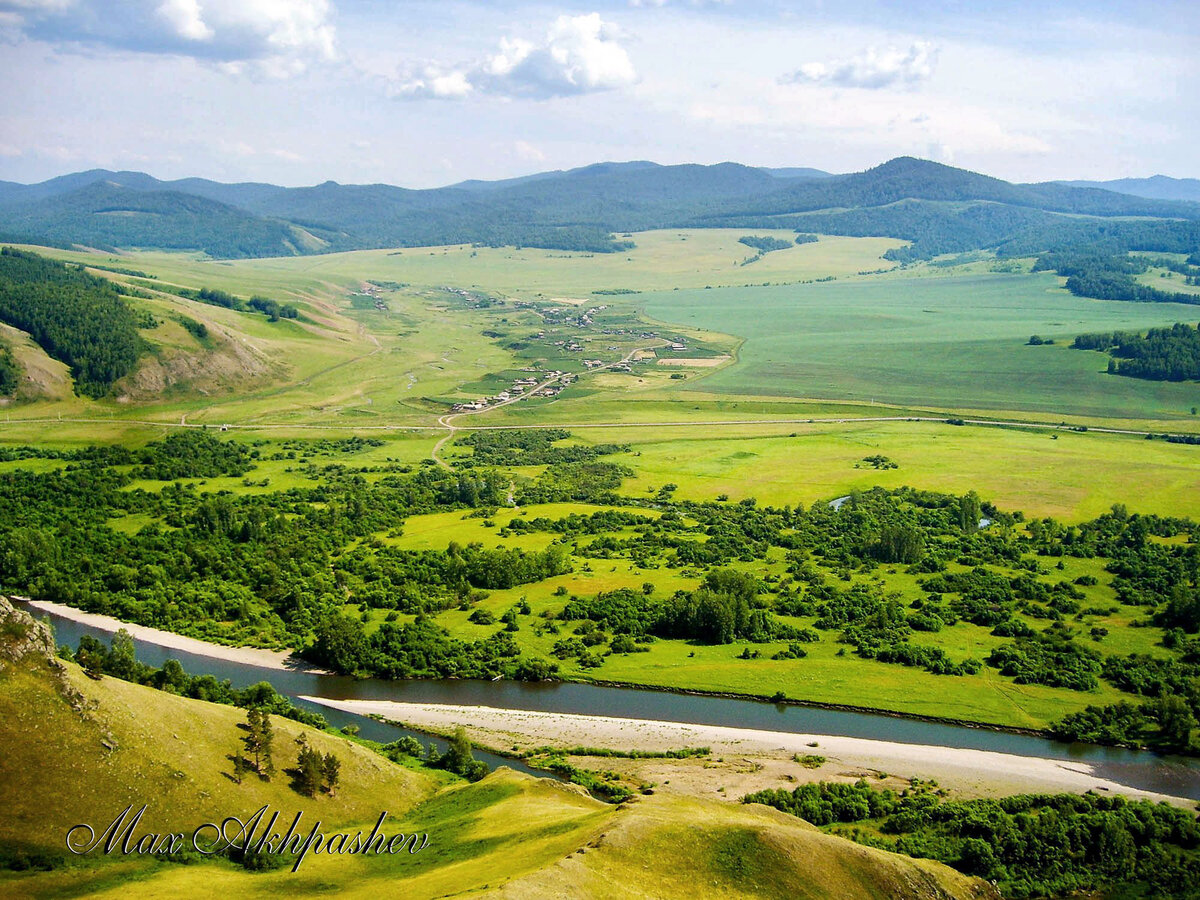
<point>952,343</point>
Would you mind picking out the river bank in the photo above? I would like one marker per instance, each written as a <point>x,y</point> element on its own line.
<point>1144,771</point>
<point>278,660</point>
<point>746,759</point>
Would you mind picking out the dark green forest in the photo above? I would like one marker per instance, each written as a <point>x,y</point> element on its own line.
<point>1162,354</point>
<point>77,318</point>
<point>1105,274</point>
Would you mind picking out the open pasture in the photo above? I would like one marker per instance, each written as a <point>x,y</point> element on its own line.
<point>954,342</point>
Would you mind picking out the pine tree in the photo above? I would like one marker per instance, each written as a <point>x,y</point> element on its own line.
<point>258,741</point>
<point>268,735</point>
<point>309,764</point>
<point>239,766</point>
<point>331,767</point>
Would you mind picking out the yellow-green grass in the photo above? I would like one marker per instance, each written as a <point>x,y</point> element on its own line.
<point>171,753</point>
<point>1068,475</point>
<point>670,846</point>
<point>435,531</point>
<point>951,342</point>
<point>825,677</point>
<point>513,836</point>
<point>662,260</point>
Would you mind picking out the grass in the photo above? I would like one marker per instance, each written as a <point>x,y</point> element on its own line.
<point>1068,475</point>
<point>171,753</point>
<point>509,832</point>
<point>949,342</point>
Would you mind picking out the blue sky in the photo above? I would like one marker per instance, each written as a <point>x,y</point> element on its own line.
<point>423,94</point>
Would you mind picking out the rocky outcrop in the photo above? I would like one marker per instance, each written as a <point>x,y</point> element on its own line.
<point>24,638</point>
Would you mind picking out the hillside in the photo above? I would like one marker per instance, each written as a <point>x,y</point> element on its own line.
<point>583,209</point>
<point>94,747</point>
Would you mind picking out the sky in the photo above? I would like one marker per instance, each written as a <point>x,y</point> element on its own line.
<point>422,94</point>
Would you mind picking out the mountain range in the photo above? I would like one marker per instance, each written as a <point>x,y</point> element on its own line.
<point>939,208</point>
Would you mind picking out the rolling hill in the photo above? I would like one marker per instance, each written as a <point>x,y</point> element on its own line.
<point>579,209</point>
<point>79,751</point>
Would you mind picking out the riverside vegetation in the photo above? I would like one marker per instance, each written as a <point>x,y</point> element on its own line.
<point>949,595</point>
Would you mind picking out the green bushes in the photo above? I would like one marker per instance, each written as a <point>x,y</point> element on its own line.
<point>1030,845</point>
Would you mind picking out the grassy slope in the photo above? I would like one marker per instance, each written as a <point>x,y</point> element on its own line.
<point>509,835</point>
<point>173,753</point>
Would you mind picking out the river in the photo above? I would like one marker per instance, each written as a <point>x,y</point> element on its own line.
<point>1148,771</point>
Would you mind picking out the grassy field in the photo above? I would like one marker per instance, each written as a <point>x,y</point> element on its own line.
<point>948,342</point>
<point>1067,475</point>
<point>662,260</point>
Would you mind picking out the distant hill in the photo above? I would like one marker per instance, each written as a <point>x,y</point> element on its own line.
<point>938,207</point>
<point>1158,187</point>
<point>106,214</point>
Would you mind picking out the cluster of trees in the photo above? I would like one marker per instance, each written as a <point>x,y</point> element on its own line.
<point>457,758</point>
<point>725,608</point>
<point>1104,274</point>
<point>535,447</point>
<point>420,649</point>
<point>76,318</point>
<point>192,453</point>
<point>273,309</point>
<point>1162,354</point>
<point>1125,724</point>
<point>765,244</point>
<point>120,661</point>
<point>1030,845</point>
<point>315,772</point>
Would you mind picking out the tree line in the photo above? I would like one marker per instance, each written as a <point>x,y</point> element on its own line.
<point>1161,354</point>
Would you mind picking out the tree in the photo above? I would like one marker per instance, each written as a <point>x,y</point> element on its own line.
<point>239,766</point>
<point>258,741</point>
<point>310,766</point>
<point>969,512</point>
<point>1176,720</point>
<point>331,767</point>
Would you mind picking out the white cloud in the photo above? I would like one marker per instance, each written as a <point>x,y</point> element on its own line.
<point>871,69</point>
<point>276,38</point>
<point>579,55</point>
<point>184,17</point>
<point>528,151</point>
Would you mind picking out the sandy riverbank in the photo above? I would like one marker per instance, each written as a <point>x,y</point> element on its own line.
<point>250,656</point>
<point>750,759</point>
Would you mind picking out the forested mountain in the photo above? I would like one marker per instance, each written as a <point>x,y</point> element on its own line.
<point>107,214</point>
<point>940,208</point>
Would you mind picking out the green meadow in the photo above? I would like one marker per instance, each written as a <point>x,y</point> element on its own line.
<point>953,342</point>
